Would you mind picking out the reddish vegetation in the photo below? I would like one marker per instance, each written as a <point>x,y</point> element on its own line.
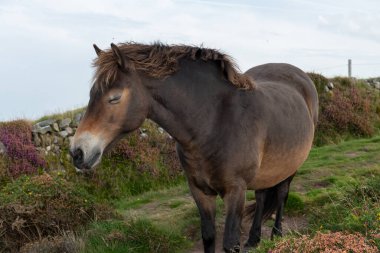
<point>357,112</point>
<point>338,242</point>
<point>351,108</point>
<point>23,156</point>
<point>147,153</point>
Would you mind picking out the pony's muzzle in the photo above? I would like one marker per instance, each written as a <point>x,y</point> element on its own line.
<point>86,151</point>
<point>82,163</point>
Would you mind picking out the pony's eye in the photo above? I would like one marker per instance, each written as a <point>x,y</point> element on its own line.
<point>114,99</point>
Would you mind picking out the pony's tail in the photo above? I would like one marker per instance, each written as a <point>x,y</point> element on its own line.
<point>270,205</point>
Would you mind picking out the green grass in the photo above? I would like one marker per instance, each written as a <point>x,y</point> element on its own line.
<point>161,196</point>
<point>295,204</point>
<point>133,235</point>
<point>339,165</point>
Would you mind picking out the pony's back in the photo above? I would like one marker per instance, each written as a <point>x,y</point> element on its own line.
<point>286,74</point>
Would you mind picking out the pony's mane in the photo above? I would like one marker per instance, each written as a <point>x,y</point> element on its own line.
<point>159,61</point>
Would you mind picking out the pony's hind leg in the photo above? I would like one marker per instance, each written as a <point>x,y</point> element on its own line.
<point>282,196</point>
<point>206,206</point>
<point>255,231</point>
<point>234,200</point>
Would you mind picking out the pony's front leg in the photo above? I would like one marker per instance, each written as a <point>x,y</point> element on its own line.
<point>206,206</point>
<point>234,200</point>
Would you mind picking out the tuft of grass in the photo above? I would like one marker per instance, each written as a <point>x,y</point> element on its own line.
<point>62,115</point>
<point>173,206</point>
<point>176,203</point>
<point>68,242</point>
<point>295,204</point>
<point>133,235</point>
<point>356,211</point>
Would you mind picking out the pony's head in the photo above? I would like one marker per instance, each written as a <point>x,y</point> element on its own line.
<point>118,105</point>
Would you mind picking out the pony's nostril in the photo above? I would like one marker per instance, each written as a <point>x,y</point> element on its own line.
<point>77,156</point>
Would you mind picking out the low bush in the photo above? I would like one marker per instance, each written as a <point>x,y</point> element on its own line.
<point>319,81</point>
<point>349,110</point>
<point>36,207</point>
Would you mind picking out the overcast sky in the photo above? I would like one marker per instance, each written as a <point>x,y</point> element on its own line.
<point>46,45</point>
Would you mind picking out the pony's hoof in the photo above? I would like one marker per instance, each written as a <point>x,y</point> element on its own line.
<point>234,249</point>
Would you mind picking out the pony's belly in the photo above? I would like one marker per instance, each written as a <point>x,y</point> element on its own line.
<point>275,167</point>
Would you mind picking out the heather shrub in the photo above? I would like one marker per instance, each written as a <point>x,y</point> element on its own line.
<point>147,153</point>
<point>23,158</point>
<point>41,206</point>
<point>319,81</point>
<point>349,110</point>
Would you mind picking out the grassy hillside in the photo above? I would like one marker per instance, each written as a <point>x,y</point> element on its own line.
<point>337,190</point>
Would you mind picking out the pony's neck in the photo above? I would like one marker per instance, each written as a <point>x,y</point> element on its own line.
<point>187,103</point>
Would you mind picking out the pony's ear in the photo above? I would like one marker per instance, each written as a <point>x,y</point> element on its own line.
<point>97,50</point>
<point>119,56</point>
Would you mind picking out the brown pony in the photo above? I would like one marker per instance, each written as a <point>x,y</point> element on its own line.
<point>233,131</point>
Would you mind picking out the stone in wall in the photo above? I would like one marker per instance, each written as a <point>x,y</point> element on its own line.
<point>56,127</point>
<point>64,123</point>
<point>3,149</point>
<point>78,117</point>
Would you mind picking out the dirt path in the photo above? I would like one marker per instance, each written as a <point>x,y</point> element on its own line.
<point>290,225</point>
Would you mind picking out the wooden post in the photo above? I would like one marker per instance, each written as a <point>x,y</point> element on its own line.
<point>349,68</point>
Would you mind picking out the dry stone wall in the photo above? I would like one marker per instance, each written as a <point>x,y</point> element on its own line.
<point>52,135</point>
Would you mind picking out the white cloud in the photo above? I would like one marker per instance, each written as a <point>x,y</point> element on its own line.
<point>354,24</point>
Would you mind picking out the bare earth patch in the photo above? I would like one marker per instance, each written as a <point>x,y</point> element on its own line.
<point>352,154</point>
